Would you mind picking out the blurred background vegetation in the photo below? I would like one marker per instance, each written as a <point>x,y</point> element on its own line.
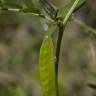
<point>21,35</point>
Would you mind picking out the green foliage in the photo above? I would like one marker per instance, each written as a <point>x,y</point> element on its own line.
<point>46,62</point>
<point>29,3</point>
<point>65,9</point>
<point>25,6</point>
<point>49,8</point>
<point>48,74</point>
<point>30,7</point>
<point>47,67</point>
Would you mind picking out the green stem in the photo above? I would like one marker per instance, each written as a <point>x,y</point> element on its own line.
<point>31,13</point>
<point>60,35</point>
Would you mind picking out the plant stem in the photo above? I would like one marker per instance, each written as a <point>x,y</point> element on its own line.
<point>60,35</point>
<point>31,13</point>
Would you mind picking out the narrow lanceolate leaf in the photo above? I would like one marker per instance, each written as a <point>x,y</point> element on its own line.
<point>47,67</point>
<point>70,11</point>
<point>31,7</point>
<point>65,9</point>
<point>15,5</point>
<point>49,8</point>
<point>28,3</point>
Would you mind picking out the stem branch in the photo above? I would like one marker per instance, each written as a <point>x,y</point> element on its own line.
<point>31,13</point>
<point>60,35</point>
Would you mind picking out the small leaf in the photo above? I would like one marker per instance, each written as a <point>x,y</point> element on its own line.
<point>79,5</point>
<point>64,10</point>
<point>49,8</point>
<point>30,7</point>
<point>47,67</point>
<point>28,3</point>
<point>25,6</point>
<point>1,2</point>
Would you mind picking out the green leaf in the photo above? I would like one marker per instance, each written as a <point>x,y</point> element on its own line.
<point>25,6</point>
<point>49,8</point>
<point>64,10</point>
<point>79,5</point>
<point>47,67</point>
<point>31,7</point>
<point>28,3</point>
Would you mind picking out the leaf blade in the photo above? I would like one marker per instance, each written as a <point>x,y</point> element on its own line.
<point>31,7</point>
<point>65,9</point>
<point>70,11</point>
<point>25,6</point>
<point>49,8</point>
<point>47,67</point>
